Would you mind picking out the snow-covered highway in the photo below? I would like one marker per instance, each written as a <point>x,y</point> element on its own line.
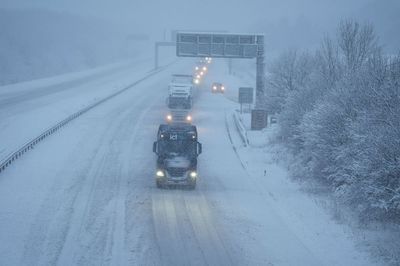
<point>87,196</point>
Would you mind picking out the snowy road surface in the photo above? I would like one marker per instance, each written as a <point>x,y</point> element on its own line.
<point>87,196</point>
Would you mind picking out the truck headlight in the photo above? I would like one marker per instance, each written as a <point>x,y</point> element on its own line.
<point>193,174</point>
<point>196,81</point>
<point>189,118</point>
<point>222,88</point>
<point>169,117</point>
<point>204,68</point>
<point>215,87</point>
<point>160,173</point>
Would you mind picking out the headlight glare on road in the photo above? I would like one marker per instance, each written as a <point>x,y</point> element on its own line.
<point>160,173</point>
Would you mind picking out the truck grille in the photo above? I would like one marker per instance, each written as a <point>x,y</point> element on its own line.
<point>176,171</point>
<point>179,116</point>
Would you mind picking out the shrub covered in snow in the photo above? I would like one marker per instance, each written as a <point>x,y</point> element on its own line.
<point>340,115</point>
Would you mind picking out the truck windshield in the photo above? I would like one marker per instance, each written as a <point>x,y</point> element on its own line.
<point>177,147</point>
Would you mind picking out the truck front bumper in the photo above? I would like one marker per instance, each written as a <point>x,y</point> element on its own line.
<point>187,179</point>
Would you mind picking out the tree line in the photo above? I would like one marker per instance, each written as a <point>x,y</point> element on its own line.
<point>339,115</point>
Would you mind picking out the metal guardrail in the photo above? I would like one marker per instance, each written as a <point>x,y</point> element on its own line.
<point>241,129</point>
<point>28,146</point>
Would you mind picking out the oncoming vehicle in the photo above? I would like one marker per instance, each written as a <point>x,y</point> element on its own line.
<point>177,150</point>
<point>217,87</point>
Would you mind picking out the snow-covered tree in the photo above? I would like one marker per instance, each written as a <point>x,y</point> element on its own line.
<point>340,115</point>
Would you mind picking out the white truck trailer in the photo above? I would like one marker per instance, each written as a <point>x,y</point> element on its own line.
<point>180,92</point>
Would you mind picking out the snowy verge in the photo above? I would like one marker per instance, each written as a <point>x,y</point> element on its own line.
<point>303,214</point>
<point>381,240</point>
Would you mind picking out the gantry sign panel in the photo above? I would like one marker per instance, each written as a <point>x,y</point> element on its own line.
<point>195,44</point>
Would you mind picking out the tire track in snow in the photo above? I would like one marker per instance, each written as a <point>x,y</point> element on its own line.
<point>70,207</point>
<point>117,256</point>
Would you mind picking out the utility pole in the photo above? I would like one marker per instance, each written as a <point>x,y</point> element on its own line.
<point>230,66</point>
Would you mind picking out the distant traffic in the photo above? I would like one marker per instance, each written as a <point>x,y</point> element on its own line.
<point>177,146</point>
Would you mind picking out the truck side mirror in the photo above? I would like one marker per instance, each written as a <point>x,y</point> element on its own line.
<point>155,146</point>
<point>199,148</point>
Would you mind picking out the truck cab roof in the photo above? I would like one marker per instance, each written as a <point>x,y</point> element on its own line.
<point>177,128</point>
<point>181,129</point>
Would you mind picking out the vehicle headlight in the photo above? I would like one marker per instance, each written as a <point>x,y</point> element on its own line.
<point>169,117</point>
<point>189,118</point>
<point>197,68</point>
<point>222,88</point>
<point>215,87</point>
<point>201,73</point>
<point>204,68</point>
<point>193,174</point>
<point>160,173</point>
<point>196,81</point>
<point>198,76</point>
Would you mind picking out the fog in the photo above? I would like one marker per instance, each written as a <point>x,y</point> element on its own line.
<point>297,163</point>
<point>286,24</point>
<point>155,17</point>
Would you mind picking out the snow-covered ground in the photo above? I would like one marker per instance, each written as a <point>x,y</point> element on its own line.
<point>29,108</point>
<point>87,196</point>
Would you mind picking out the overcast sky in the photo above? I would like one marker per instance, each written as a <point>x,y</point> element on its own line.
<point>278,19</point>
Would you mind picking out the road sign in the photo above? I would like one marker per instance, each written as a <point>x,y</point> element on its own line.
<point>245,95</point>
<point>227,45</point>
<point>195,44</point>
<point>258,119</point>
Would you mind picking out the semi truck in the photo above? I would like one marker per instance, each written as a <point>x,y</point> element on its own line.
<point>177,149</point>
<point>180,92</point>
